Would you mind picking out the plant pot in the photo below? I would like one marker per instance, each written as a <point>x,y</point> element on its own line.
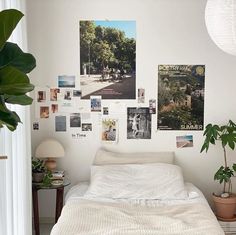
<point>38,177</point>
<point>225,207</point>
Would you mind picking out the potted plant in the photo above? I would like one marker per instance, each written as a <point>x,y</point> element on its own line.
<point>14,66</point>
<point>225,203</point>
<point>38,170</point>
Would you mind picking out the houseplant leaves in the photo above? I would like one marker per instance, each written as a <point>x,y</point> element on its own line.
<point>14,65</point>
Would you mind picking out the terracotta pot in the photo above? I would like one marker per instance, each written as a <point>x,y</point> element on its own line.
<point>38,177</point>
<point>225,207</point>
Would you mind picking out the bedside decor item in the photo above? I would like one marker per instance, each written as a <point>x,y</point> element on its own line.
<point>14,65</point>
<point>50,149</point>
<point>38,170</point>
<point>226,134</point>
<point>220,17</point>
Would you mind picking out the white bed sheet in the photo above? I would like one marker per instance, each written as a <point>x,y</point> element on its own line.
<point>81,216</point>
<point>194,196</point>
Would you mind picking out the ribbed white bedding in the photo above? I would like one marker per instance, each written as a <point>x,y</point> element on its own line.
<point>81,216</point>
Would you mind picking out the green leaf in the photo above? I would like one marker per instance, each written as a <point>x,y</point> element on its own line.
<point>14,82</point>
<point>8,21</point>
<point>12,55</point>
<point>204,146</point>
<point>18,99</point>
<point>7,117</point>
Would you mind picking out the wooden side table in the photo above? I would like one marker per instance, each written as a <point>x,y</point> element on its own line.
<point>59,201</point>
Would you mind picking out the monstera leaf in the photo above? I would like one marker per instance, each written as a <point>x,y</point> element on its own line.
<point>14,66</point>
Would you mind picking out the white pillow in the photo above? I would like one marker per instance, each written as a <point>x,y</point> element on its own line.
<point>137,181</point>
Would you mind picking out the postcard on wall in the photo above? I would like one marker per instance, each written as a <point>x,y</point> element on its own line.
<point>181,97</point>
<point>184,141</point>
<point>138,123</point>
<point>107,69</point>
<point>41,94</point>
<point>105,110</point>
<point>65,81</point>
<point>110,130</point>
<point>77,93</point>
<point>141,95</point>
<point>53,94</point>
<point>86,126</point>
<point>60,123</point>
<point>44,111</point>
<point>95,103</point>
<point>152,106</point>
<point>36,126</point>
<point>54,108</point>
<point>75,120</point>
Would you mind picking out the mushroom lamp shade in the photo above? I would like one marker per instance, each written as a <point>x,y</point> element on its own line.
<point>50,149</point>
<point>220,18</point>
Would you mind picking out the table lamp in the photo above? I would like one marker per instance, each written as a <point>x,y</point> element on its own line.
<point>50,149</point>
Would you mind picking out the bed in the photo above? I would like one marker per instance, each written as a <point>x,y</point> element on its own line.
<point>136,194</point>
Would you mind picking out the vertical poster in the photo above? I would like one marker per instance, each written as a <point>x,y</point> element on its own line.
<point>181,97</point>
<point>108,59</point>
<point>138,123</point>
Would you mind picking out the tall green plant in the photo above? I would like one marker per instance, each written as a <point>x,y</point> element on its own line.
<point>14,66</point>
<point>226,134</point>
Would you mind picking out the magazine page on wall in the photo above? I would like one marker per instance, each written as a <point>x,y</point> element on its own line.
<point>181,97</point>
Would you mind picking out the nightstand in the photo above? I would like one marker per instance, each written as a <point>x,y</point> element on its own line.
<point>59,200</point>
<point>228,227</point>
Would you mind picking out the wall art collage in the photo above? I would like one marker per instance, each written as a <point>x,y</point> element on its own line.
<point>108,72</point>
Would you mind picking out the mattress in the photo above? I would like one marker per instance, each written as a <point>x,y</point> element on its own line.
<point>81,216</point>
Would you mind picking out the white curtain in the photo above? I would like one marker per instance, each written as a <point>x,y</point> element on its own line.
<point>15,172</point>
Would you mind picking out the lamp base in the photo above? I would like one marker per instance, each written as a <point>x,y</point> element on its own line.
<point>50,164</point>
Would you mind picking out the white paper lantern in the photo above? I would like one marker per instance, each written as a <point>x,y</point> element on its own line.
<point>220,17</point>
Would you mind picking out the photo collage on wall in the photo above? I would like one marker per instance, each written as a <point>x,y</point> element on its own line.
<point>108,71</point>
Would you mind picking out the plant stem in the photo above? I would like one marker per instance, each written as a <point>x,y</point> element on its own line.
<point>225,157</point>
<point>225,160</point>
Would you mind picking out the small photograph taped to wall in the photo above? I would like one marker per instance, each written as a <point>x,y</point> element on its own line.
<point>108,62</point>
<point>184,141</point>
<point>67,95</point>
<point>53,94</point>
<point>41,96</point>
<point>86,126</point>
<point>95,103</point>
<point>75,120</point>
<point>44,112</point>
<point>36,126</point>
<point>105,110</point>
<point>65,81</point>
<point>76,93</point>
<point>138,123</point>
<point>109,130</point>
<point>141,95</point>
<point>152,106</point>
<point>54,108</point>
<point>60,123</point>
<point>181,97</point>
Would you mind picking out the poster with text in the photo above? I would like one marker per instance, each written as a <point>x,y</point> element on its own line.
<point>138,123</point>
<point>181,97</point>
<point>108,59</point>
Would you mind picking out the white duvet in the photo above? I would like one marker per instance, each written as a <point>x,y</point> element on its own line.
<point>81,216</point>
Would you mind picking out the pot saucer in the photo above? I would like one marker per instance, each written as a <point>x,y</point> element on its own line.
<point>227,220</point>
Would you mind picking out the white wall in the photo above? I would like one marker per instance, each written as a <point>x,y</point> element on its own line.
<point>168,32</point>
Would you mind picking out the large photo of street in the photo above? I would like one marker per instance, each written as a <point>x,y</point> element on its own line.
<point>108,59</point>
<point>181,97</point>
